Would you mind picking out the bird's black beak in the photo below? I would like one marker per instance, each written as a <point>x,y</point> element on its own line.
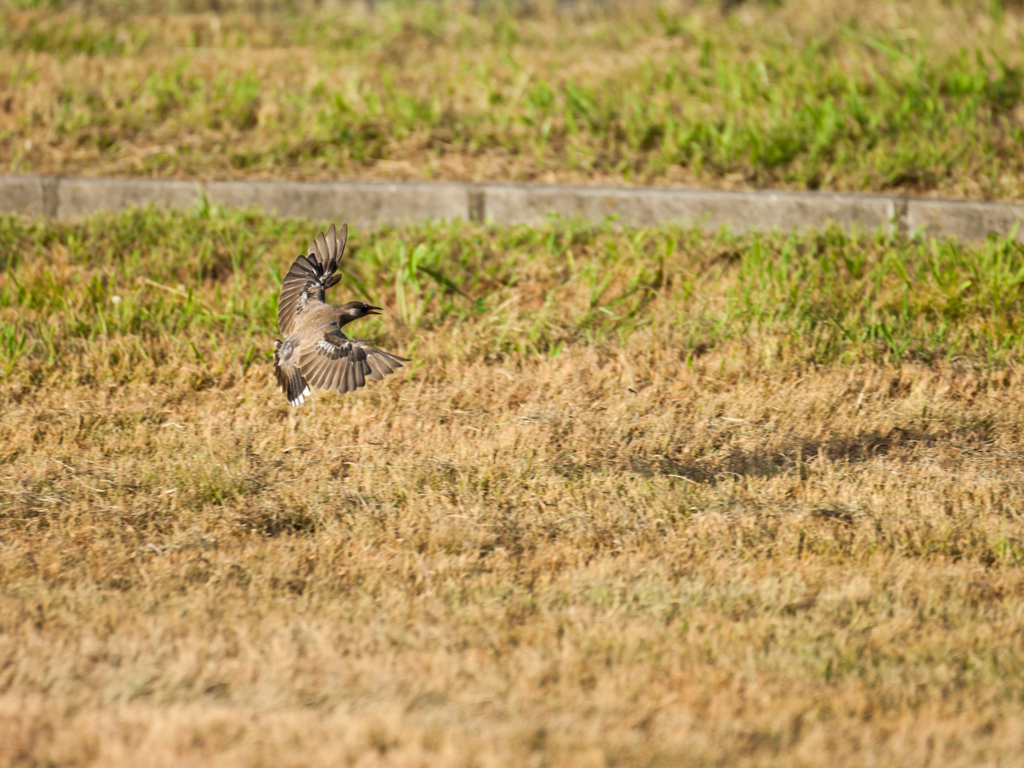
<point>370,311</point>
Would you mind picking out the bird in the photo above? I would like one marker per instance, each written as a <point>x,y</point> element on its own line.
<point>315,351</point>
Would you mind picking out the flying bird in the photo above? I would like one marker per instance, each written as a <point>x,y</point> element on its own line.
<point>315,351</point>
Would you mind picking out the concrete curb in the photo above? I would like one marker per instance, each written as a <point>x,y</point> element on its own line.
<point>369,204</point>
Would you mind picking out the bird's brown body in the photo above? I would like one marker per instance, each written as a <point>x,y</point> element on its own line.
<point>314,350</point>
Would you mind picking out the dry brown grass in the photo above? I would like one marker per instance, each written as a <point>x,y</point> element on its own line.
<point>603,557</point>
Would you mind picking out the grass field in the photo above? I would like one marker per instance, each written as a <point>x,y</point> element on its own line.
<point>645,497</point>
<point>921,96</point>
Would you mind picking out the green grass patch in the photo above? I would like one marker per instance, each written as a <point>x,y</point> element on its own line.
<point>201,286</point>
<point>916,96</point>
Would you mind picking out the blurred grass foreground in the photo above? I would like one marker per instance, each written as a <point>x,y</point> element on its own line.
<point>921,96</point>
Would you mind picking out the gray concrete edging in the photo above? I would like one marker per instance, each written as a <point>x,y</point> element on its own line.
<point>370,204</point>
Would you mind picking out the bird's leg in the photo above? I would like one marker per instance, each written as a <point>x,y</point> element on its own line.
<point>312,399</point>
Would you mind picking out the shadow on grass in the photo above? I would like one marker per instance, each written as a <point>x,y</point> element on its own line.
<point>773,460</point>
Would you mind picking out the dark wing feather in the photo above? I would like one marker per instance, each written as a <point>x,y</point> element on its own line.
<point>338,374</point>
<point>314,372</point>
<point>328,249</point>
<point>310,277</point>
<point>338,362</point>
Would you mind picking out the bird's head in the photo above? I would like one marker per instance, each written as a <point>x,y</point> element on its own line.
<point>353,310</point>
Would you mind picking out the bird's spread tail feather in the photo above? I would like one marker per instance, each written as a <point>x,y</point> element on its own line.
<point>289,378</point>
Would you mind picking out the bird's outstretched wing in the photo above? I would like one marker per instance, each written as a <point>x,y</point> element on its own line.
<point>310,277</point>
<point>338,362</point>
